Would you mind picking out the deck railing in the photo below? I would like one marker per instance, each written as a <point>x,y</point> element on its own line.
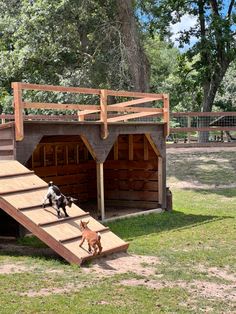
<point>105,113</point>
<point>181,123</point>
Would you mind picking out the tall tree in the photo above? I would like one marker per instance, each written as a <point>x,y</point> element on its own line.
<point>138,64</point>
<point>214,33</point>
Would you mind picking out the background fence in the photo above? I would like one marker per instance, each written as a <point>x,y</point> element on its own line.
<point>184,126</point>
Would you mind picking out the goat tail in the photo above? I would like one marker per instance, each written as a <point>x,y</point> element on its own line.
<point>99,236</point>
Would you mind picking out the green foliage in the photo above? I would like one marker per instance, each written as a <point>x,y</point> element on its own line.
<point>214,35</point>
<point>79,43</point>
<point>61,42</point>
<point>226,96</point>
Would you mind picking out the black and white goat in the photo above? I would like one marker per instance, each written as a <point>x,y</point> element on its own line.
<point>57,200</point>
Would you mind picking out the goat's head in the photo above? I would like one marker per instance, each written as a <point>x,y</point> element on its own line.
<point>70,200</point>
<point>83,224</point>
<point>50,183</point>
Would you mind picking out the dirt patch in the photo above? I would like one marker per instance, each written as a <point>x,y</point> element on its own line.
<point>198,185</point>
<point>201,288</point>
<point>223,273</point>
<point>121,263</point>
<point>180,150</point>
<point>14,268</point>
<point>49,291</point>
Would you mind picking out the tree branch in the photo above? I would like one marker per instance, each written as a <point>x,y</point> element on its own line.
<point>203,30</point>
<point>230,8</point>
<point>214,6</point>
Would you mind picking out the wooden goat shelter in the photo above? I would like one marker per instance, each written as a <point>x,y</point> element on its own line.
<point>106,155</point>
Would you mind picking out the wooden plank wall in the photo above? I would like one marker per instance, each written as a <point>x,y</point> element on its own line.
<point>7,143</point>
<point>67,162</point>
<point>130,171</point>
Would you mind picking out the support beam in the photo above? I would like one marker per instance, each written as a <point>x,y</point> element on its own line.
<point>166,114</point>
<point>18,107</point>
<point>103,113</point>
<point>151,142</point>
<point>100,190</point>
<point>189,126</point>
<point>162,182</point>
<point>88,146</point>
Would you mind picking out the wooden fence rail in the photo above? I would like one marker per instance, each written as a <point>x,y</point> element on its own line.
<point>121,111</point>
<point>140,106</point>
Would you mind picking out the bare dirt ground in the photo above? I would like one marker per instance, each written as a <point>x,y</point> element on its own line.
<point>144,266</point>
<point>200,149</point>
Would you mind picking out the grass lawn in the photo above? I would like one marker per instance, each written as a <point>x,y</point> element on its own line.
<point>194,269</point>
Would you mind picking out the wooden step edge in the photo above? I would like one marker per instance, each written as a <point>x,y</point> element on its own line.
<point>116,249</point>
<point>7,157</point>
<point>70,239</point>
<point>35,188</point>
<point>6,147</point>
<point>37,206</point>
<point>16,174</point>
<point>59,221</point>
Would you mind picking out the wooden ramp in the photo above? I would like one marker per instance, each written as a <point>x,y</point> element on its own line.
<point>21,196</point>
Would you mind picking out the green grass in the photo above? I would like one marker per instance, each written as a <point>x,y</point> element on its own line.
<point>196,231</point>
<point>199,234</point>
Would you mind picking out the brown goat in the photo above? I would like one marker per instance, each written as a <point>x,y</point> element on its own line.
<point>93,238</point>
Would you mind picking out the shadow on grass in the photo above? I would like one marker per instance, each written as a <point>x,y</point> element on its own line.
<point>12,248</point>
<point>205,168</point>
<point>156,223</point>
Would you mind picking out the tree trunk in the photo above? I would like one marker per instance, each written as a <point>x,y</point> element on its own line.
<point>210,89</point>
<point>137,61</point>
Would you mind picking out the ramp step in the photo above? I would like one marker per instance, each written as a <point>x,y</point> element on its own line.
<point>35,188</point>
<point>59,221</point>
<point>21,194</point>
<point>37,206</point>
<point>16,174</point>
<point>120,248</point>
<point>69,239</point>
<point>7,157</point>
<point>6,148</point>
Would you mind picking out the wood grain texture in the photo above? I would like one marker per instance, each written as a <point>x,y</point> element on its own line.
<point>43,222</point>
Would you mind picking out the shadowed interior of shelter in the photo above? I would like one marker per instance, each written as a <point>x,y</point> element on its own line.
<point>130,172</point>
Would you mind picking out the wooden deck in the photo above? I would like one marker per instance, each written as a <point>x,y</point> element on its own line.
<point>21,195</point>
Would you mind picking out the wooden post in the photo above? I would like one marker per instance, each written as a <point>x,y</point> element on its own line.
<point>166,114</point>
<point>17,99</point>
<point>80,118</point>
<point>161,182</point>
<point>103,113</point>
<point>189,126</point>
<point>3,118</point>
<point>100,190</point>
